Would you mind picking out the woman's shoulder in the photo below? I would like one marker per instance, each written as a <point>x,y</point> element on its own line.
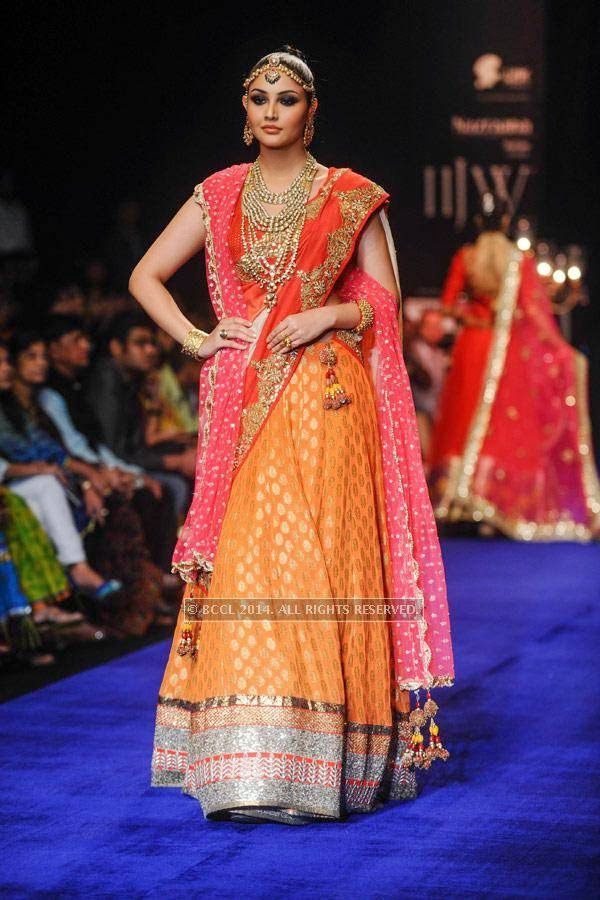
<point>350,180</point>
<point>226,174</point>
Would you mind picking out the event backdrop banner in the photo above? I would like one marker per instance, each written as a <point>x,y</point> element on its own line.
<point>478,128</point>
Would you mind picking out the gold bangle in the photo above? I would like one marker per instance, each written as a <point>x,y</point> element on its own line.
<point>366,316</point>
<point>193,341</point>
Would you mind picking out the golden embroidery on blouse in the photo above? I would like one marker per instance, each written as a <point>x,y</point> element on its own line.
<point>314,207</point>
<point>211,261</point>
<point>354,205</point>
<point>351,338</point>
<point>271,372</point>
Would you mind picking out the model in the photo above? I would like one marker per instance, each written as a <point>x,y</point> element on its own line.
<point>511,446</point>
<point>310,504</point>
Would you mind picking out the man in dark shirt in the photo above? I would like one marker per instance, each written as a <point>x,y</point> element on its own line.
<point>114,392</point>
<point>77,420</point>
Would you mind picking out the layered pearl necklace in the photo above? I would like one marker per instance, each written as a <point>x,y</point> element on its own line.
<point>271,259</point>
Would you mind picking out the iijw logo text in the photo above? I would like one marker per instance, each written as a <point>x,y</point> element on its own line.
<point>446,187</point>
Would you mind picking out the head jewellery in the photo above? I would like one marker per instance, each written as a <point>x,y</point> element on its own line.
<point>273,68</point>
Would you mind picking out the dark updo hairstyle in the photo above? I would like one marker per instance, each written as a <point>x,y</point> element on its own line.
<point>295,60</point>
<point>490,213</point>
<point>10,405</point>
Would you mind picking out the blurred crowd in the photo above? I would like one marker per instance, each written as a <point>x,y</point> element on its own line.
<point>98,432</point>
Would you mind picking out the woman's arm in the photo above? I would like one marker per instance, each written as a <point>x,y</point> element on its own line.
<point>373,256</point>
<point>54,405</point>
<point>454,283</point>
<point>184,236</point>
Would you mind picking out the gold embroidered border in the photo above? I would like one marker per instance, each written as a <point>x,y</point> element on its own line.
<point>314,207</point>
<point>269,700</point>
<point>211,262</point>
<point>354,205</point>
<point>591,486</point>
<point>351,339</point>
<point>197,570</point>
<point>420,598</point>
<point>478,509</point>
<point>271,373</point>
<point>458,487</point>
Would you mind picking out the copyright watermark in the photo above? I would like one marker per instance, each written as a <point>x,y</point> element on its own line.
<point>304,610</point>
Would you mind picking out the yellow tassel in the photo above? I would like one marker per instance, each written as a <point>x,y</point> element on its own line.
<point>416,754</point>
<point>335,395</point>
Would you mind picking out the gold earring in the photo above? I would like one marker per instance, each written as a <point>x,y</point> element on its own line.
<point>248,136</point>
<point>309,131</point>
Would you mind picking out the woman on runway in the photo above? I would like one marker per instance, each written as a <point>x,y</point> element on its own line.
<point>511,446</point>
<point>309,488</point>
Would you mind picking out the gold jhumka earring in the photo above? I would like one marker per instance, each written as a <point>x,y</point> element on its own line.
<point>309,127</point>
<point>309,131</point>
<point>247,134</point>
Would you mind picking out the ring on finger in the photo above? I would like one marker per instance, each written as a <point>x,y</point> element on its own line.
<point>287,340</point>
<point>223,333</point>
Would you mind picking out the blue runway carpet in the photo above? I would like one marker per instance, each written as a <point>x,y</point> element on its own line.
<point>513,813</point>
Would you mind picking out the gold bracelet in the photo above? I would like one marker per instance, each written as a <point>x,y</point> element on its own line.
<point>193,341</point>
<point>366,316</point>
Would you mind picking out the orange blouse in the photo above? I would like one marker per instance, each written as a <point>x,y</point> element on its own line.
<point>254,293</point>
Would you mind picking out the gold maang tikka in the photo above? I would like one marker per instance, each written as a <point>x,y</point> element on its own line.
<point>273,69</point>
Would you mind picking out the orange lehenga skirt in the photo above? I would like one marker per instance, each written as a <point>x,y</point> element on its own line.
<point>281,719</point>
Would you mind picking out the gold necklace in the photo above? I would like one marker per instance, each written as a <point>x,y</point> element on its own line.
<point>271,259</point>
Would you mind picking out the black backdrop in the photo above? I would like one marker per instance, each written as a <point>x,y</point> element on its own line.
<point>144,100</point>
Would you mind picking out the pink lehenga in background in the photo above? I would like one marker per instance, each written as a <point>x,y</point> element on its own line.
<point>511,444</point>
<point>285,720</point>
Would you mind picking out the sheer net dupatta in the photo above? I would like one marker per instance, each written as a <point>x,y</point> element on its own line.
<point>422,647</point>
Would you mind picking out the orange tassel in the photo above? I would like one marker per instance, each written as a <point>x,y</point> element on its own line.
<point>335,395</point>
<point>185,646</point>
<point>416,754</point>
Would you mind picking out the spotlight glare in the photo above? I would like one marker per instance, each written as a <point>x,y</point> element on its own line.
<point>559,276</point>
<point>544,269</point>
<point>524,243</point>
<point>574,273</point>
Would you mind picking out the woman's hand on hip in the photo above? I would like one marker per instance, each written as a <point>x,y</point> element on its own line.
<point>239,331</point>
<point>300,328</point>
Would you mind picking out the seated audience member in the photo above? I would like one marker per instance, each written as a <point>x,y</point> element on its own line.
<point>38,470</point>
<point>15,613</point>
<point>64,400</point>
<point>115,538</point>
<point>41,577</point>
<point>171,392</point>
<point>114,391</point>
<point>427,361</point>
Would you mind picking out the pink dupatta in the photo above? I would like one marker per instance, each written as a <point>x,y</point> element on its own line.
<point>422,650</point>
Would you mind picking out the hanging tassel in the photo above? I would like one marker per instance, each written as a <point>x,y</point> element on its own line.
<point>435,749</point>
<point>416,754</point>
<point>335,395</point>
<point>186,646</point>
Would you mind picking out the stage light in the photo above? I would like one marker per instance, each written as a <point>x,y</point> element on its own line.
<point>523,243</point>
<point>544,269</point>
<point>559,276</point>
<point>574,273</point>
